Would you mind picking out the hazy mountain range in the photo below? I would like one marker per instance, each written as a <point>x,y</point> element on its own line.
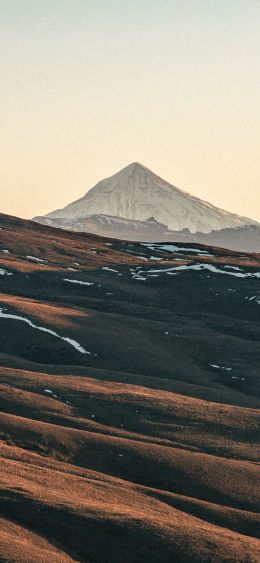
<point>245,238</point>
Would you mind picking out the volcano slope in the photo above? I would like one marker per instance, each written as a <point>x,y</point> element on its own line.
<point>129,399</point>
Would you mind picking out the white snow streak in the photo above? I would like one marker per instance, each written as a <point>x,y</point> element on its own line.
<point>5,273</point>
<point>173,248</point>
<point>73,343</point>
<point>78,281</point>
<point>209,267</point>
<point>254,298</point>
<point>215,366</point>
<point>36,259</point>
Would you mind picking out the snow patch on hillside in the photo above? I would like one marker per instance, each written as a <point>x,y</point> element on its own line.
<point>70,341</point>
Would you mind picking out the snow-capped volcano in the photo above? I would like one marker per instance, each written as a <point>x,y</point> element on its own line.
<point>137,193</point>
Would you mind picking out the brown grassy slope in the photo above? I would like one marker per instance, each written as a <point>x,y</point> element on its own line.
<point>60,248</point>
<point>92,511</point>
<point>140,451</point>
<point>202,501</point>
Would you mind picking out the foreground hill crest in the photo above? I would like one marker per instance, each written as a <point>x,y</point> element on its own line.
<point>136,193</point>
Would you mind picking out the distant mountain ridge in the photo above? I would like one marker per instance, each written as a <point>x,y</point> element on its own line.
<point>135,193</point>
<point>107,225</point>
<point>245,238</point>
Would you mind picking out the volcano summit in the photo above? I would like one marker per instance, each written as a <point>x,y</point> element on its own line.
<point>136,193</point>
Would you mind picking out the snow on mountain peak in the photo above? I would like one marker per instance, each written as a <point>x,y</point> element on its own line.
<point>136,193</point>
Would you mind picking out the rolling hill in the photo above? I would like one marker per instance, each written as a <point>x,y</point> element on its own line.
<point>129,377</point>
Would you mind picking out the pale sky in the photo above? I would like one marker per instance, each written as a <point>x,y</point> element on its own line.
<point>88,86</point>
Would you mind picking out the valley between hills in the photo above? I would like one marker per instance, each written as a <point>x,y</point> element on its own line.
<point>129,421</point>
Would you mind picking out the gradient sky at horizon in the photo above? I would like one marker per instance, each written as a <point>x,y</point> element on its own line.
<point>88,87</point>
